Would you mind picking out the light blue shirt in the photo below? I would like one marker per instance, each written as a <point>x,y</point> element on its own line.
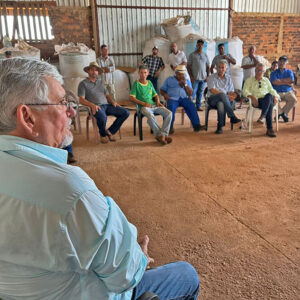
<point>224,85</point>
<point>60,237</point>
<point>173,89</point>
<point>199,63</point>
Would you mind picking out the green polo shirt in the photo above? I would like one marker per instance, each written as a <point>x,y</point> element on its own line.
<point>143,92</point>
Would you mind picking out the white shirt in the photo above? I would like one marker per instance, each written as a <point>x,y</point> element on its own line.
<point>248,61</point>
<point>177,59</point>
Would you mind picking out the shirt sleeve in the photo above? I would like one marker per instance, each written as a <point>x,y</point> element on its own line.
<point>244,61</point>
<point>164,86</point>
<point>145,60</point>
<point>247,88</point>
<point>184,58</point>
<point>213,63</point>
<point>103,241</point>
<point>273,77</point>
<point>161,63</point>
<point>112,67</point>
<point>210,82</point>
<point>81,90</point>
<point>133,89</point>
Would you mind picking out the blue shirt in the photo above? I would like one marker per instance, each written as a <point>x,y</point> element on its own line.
<point>199,63</point>
<point>60,237</point>
<point>277,74</point>
<point>224,85</point>
<point>173,89</point>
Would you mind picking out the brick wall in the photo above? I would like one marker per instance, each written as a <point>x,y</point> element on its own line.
<point>68,25</point>
<point>272,34</point>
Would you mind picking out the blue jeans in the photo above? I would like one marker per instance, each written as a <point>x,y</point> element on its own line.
<point>154,82</point>
<point>198,87</point>
<point>165,113</point>
<point>176,281</point>
<point>223,105</point>
<point>119,112</point>
<point>189,108</point>
<point>266,106</point>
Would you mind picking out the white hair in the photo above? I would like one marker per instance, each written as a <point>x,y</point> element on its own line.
<point>223,61</point>
<point>22,81</point>
<point>260,65</point>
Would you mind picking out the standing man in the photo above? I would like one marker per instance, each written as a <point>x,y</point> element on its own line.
<point>155,65</point>
<point>221,94</point>
<point>282,80</point>
<point>143,93</point>
<point>228,57</point>
<point>263,96</point>
<point>93,94</point>
<point>176,57</point>
<point>108,68</point>
<point>61,238</point>
<point>198,68</point>
<point>177,91</point>
<point>249,63</point>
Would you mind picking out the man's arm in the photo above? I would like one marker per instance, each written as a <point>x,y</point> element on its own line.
<point>249,66</point>
<point>284,81</point>
<point>190,72</point>
<point>165,94</point>
<point>230,59</point>
<point>133,99</point>
<point>111,100</point>
<point>89,104</point>
<point>207,72</point>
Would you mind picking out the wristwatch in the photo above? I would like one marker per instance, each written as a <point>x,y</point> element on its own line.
<point>185,85</point>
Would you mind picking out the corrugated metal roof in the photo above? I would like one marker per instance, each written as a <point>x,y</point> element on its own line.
<point>82,3</point>
<point>267,6</point>
<point>125,25</point>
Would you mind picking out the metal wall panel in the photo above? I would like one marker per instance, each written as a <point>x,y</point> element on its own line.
<point>81,3</point>
<point>267,6</point>
<point>125,28</point>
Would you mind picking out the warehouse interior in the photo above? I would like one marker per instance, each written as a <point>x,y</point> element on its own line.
<point>228,204</point>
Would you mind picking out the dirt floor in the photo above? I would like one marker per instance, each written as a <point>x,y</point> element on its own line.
<point>228,204</point>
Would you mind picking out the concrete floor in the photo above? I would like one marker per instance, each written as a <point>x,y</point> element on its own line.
<point>229,204</point>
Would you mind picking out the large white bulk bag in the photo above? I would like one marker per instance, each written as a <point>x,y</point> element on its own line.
<point>163,46</point>
<point>121,85</point>
<point>32,52</point>
<point>189,45</point>
<point>71,64</point>
<point>237,76</point>
<point>179,27</point>
<point>233,46</point>
<point>133,76</point>
<point>71,84</point>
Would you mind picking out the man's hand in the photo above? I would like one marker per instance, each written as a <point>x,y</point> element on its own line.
<point>106,69</point>
<point>158,103</point>
<point>147,104</point>
<point>144,246</point>
<point>275,100</point>
<point>232,96</point>
<point>192,79</point>
<point>157,74</point>
<point>115,104</point>
<point>254,100</point>
<point>166,96</point>
<point>182,82</point>
<point>95,108</point>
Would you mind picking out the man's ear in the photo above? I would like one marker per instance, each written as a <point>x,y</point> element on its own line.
<point>26,120</point>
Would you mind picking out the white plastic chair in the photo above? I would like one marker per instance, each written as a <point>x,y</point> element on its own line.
<point>251,111</point>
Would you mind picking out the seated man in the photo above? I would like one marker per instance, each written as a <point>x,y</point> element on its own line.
<point>221,94</point>
<point>93,94</point>
<point>177,91</point>
<point>263,96</point>
<point>282,80</point>
<point>269,71</point>
<point>60,237</point>
<point>142,93</point>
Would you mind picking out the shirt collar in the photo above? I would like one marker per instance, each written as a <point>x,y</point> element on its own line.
<point>14,143</point>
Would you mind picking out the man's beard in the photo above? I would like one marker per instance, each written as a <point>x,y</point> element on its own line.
<point>68,139</point>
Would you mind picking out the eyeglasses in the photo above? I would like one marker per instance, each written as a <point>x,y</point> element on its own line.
<point>65,101</point>
<point>259,84</point>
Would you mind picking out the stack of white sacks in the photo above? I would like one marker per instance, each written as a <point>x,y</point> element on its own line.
<point>185,33</point>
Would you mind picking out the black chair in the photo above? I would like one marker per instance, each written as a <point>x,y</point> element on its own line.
<point>208,108</point>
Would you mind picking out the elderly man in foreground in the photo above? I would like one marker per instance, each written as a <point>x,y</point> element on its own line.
<point>61,238</point>
<point>263,96</point>
<point>221,94</point>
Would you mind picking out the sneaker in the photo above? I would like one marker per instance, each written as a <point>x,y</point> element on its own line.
<point>168,139</point>
<point>234,120</point>
<point>219,130</point>
<point>285,118</point>
<point>199,127</point>
<point>199,109</point>
<point>261,120</point>
<point>270,133</point>
<point>161,140</point>
<point>104,139</point>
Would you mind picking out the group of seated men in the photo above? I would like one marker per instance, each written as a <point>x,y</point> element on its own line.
<point>97,91</point>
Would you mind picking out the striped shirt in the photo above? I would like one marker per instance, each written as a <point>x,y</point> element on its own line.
<point>107,78</point>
